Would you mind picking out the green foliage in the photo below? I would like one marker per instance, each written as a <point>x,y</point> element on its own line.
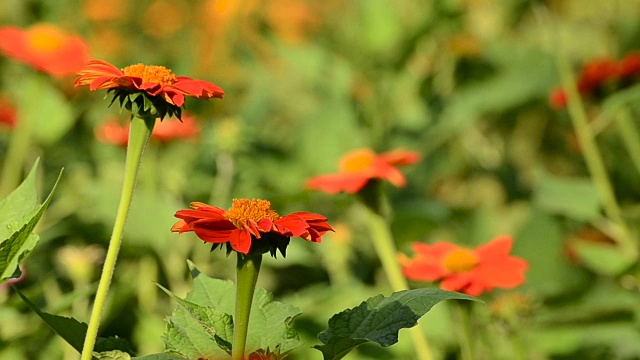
<point>574,198</point>
<point>379,319</point>
<point>19,215</point>
<point>70,329</point>
<point>202,324</point>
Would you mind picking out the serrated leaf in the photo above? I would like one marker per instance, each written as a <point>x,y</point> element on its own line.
<point>161,356</point>
<point>197,331</point>
<point>15,250</point>
<point>379,319</point>
<point>269,322</point>
<point>70,329</point>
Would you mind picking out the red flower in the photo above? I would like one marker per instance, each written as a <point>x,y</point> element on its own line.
<point>45,47</point>
<point>150,79</point>
<point>472,271</point>
<point>249,223</point>
<point>8,113</point>
<point>630,66</point>
<point>362,165</point>
<point>558,99</point>
<point>113,132</point>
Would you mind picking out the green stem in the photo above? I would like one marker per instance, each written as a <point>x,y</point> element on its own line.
<point>247,271</point>
<point>138,138</point>
<point>629,134</point>
<point>462,320</point>
<point>385,248</point>
<point>594,160</point>
<point>16,153</point>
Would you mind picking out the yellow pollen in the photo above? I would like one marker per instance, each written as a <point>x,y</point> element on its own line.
<point>460,260</point>
<point>151,73</point>
<point>244,210</point>
<point>357,160</point>
<point>45,38</point>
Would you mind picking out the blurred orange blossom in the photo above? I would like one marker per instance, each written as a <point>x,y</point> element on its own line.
<point>472,271</point>
<point>362,165</point>
<point>45,47</point>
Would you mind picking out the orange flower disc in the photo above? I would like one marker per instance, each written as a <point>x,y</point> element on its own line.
<point>151,74</point>
<point>243,211</point>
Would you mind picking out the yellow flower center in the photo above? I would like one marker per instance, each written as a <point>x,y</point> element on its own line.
<point>357,160</point>
<point>151,73</point>
<point>45,38</point>
<point>460,260</point>
<point>244,210</point>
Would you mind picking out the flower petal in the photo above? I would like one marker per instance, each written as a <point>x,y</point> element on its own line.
<point>240,241</point>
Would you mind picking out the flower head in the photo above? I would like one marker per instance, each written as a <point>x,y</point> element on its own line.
<point>113,132</point>
<point>146,90</point>
<point>472,271</point>
<point>45,47</point>
<point>362,165</point>
<point>250,225</point>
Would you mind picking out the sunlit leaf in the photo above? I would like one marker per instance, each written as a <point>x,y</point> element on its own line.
<point>379,319</point>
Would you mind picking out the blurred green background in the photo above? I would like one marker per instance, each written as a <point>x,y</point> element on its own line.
<point>463,82</point>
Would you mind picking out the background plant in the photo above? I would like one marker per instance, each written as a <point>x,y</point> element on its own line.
<point>463,83</point>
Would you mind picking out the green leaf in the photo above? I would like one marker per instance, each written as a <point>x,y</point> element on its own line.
<point>574,198</point>
<point>189,331</point>
<point>379,319</point>
<point>22,201</point>
<point>70,329</point>
<point>21,241</point>
<point>45,108</point>
<point>604,259</point>
<point>198,331</point>
<point>112,355</point>
<point>160,356</point>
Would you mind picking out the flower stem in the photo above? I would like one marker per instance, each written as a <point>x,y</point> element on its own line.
<point>138,139</point>
<point>462,320</point>
<point>594,161</point>
<point>629,134</point>
<point>16,153</point>
<point>247,270</point>
<point>386,250</point>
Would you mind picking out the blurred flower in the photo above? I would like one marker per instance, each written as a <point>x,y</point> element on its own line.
<point>156,14</point>
<point>601,77</point>
<point>79,263</point>
<point>100,10</point>
<point>8,113</point>
<point>291,19</point>
<point>362,165</point>
<point>558,98</point>
<point>472,271</point>
<point>163,93</point>
<point>45,47</point>
<point>250,225</point>
<point>113,132</point>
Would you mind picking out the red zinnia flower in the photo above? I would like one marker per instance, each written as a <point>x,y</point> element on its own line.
<point>113,132</point>
<point>248,223</point>
<point>45,47</point>
<point>150,79</point>
<point>472,271</point>
<point>360,166</point>
<point>558,98</point>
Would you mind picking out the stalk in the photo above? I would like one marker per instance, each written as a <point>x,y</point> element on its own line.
<point>138,138</point>
<point>247,270</point>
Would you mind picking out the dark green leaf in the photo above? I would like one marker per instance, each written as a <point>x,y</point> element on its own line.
<point>379,319</point>
<point>70,329</point>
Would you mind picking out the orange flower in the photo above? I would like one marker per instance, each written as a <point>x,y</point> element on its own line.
<point>250,225</point>
<point>165,92</point>
<point>45,47</point>
<point>362,165</point>
<point>472,271</point>
<point>113,132</point>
